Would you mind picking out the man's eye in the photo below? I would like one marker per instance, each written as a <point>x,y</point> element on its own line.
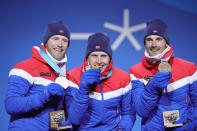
<point>148,39</point>
<point>65,40</point>
<point>55,38</point>
<point>159,39</point>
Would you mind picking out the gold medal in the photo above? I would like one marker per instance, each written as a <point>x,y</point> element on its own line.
<point>164,67</point>
<point>94,67</point>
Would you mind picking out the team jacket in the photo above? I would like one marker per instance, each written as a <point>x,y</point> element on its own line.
<point>181,93</point>
<point>105,108</point>
<point>26,85</point>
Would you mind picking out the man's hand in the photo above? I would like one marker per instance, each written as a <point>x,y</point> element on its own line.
<point>54,89</point>
<point>161,80</point>
<point>89,78</point>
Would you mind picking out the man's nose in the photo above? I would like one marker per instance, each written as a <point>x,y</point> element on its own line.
<point>154,43</point>
<point>99,60</point>
<point>59,43</point>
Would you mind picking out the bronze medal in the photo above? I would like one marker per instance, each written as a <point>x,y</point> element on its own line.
<point>164,67</point>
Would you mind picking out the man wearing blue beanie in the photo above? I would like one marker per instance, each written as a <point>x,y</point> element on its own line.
<point>164,87</point>
<point>32,93</point>
<point>102,101</point>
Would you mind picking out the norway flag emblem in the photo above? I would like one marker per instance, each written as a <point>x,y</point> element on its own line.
<point>98,47</point>
<point>61,31</point>
<point>155,31</point>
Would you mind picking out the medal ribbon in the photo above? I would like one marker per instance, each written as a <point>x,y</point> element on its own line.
<point>167,55</point>
<point>164,99</point>
<point>51,63</point>
<point>54,66</point>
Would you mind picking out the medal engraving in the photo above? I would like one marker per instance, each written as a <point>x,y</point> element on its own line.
<point>164,67</point>
<point>169,117</point>
<point>55,118</point>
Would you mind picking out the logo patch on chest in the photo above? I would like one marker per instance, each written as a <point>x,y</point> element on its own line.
<point>148,77</point>
<point>45,74</point>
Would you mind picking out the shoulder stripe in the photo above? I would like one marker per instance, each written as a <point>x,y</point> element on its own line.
<point>178,84</point>
<point>29,78</point>
<point>21,73</point>
<point>132,76</point>
<point>193,77</point>
<point>41,81</point>
<point>72,84</point>
<point>182,82</point>
<point>112,94</point>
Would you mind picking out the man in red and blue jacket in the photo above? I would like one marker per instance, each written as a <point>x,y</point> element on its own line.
<point>31,92</point>
<point>163,82</point>
<point>101,100</point>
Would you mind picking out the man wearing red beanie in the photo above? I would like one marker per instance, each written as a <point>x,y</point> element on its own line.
<point>164,87</point>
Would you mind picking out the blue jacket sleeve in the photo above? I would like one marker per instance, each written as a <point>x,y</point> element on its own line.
<point>128,114</point>
<point>17,100</point>
<point>76,105</point>
<point>193,98</point>
<point>144,98</point>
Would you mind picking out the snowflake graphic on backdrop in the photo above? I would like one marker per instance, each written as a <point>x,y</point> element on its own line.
<point>125,32</point>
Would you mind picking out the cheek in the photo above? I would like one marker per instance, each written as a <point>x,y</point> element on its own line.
<point>91,61</point>
<point>147,48</point>
<point>106,61</point>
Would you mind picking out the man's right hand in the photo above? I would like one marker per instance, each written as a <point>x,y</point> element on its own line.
<point>53,89</point>
<point>161,79</point>
<point>89,78</point>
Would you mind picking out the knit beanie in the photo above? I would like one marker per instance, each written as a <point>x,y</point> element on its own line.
<point>56,28</point>
<point>98,42</point>
<point>157,27</point>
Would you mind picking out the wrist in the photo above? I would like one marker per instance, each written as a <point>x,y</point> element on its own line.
<point>44,96</point>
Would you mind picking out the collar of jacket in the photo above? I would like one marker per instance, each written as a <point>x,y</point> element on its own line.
<point>155,64</point>
<point>36,55</point>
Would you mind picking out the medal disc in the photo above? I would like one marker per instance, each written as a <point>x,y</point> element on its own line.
<point>164,67</point>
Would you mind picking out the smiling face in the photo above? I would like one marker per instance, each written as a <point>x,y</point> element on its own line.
<point>100,59</point>
<point>57,46</point>
<point>155,44</point>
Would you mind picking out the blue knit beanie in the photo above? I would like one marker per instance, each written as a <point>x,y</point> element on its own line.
<point>157,27</point>
<point>98,42</point>
<point>56,28</point>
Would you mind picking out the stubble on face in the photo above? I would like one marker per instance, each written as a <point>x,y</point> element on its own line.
<point>99,59</point>
<point>57,46</point>
<point>155,44</point>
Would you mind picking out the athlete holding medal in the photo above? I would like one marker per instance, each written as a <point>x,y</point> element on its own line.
<point>102,101</point>
<point>32,93</point>
<point>164,87</point>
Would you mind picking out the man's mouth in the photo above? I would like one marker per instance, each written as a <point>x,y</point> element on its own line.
<point>155,49</point>
<point>100,66</point>
<point>58,50</point>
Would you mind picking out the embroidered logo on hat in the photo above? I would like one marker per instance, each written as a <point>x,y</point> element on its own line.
<point>61,31</point>
<point>98,47</point>
<point>155,31</point>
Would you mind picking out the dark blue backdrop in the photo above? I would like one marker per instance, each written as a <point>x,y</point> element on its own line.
<point>22,25</point>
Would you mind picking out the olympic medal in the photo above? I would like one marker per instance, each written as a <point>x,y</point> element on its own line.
<point>164,67</point>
